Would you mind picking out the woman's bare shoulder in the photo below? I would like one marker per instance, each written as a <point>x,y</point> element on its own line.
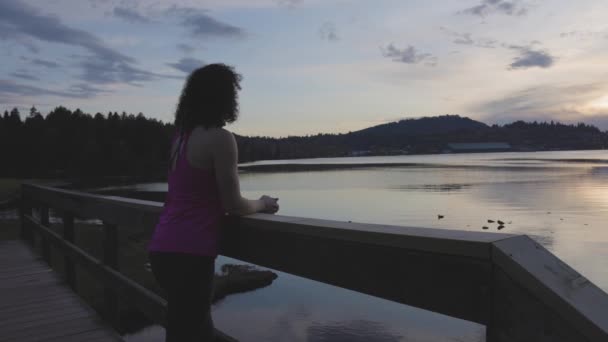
<point>215,137</point>
<point>214,133</point>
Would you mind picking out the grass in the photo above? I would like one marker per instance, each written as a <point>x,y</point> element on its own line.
<point>8,188</point>
<point>9,230</point>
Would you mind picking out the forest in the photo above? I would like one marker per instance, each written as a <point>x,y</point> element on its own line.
<point>74,144</point>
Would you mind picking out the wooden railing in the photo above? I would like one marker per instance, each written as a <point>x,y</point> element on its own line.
<point>114,213</point>
<point>509,283</point>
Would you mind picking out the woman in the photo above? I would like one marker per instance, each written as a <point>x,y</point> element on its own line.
<point>203,187</point>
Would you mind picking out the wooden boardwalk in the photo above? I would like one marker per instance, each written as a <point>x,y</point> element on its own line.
<point>36,305</point>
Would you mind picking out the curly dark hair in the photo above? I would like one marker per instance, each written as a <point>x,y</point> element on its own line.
<point>209,98</point>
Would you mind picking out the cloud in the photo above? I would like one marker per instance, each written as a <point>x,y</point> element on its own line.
<point>186,48</point>
<point>9,88</point>
<point>24,75</point>
<point>329,32</point>
<point>187,65</point>
<point>289,3</point>
<point>84,90</point>
<point>565,103</point>
<point>529,58</point>
<point>19,19</point>
<point>464,39</point>
<point>102,65</point>
<point>487,7</point>
<point>201,24</point>
<point>529,55</point>
<point>45,63</point>
<point>130,15</point>
<point>8,32</point>
<point>583,35</point>
<point>103,71</point>
<point>467,39</point>
<point>408,55</point>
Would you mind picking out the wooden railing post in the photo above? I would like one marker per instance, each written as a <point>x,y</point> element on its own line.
<point>46,248</point>
<point>68,235</point>
<point>110,259</point>
<point>25,209</point>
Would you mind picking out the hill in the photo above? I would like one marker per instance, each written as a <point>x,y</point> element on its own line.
<point>425,135</point>
<point>403,133</point>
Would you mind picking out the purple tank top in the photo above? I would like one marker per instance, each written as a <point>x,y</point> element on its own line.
<point>190,220</point>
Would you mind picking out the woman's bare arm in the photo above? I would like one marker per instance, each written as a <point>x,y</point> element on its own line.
<point>225,157</point>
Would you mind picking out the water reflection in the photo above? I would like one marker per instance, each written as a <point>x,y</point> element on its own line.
<point>558,198</point>
<point>352,331</point>
<point>299,309</point>
<point>434,187</point>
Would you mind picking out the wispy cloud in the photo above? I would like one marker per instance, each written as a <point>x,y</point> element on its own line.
<point>584,34</point>
<point>487,7</point>
<point>289,3</point>
<point>24,75</point>
<point>101,71</point>
<point>408,55</point>
<point>10,88</point>
<point>201,24</point>
<point>187,65</point>
<point>45,63</point>
<point>102,65</point>
<point>468,39</point>
<point>530,57</point>
<point>18,18</point>
<point>329,32</point>
<point>130,15</point>
<point>185,48</point>
<point>84,90</point>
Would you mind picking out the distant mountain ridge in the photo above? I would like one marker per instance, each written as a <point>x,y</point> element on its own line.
<point>425,135</point>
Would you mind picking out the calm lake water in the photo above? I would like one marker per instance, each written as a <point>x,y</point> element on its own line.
<point>558,198</point>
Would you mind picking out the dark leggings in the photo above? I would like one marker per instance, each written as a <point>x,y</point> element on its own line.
<point>188,282</point>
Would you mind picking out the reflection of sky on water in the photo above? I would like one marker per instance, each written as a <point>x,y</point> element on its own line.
<point>554,158</point>
<point>351,331</point>
<point>564,207</point>
<point>298,309</point>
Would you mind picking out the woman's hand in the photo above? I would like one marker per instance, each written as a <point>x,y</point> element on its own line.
<point>271,204</point>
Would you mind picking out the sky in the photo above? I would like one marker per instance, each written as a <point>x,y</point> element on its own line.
<point>312,66</point>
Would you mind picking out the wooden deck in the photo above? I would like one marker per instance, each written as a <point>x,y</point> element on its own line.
<point>36,305</point>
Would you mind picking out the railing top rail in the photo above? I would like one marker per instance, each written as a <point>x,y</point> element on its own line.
<point>150,206</point>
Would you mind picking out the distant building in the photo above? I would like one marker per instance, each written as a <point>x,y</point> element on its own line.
<point>477,147</point>
<point>360,153</point>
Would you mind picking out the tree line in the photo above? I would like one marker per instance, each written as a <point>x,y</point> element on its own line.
<point>74,144</point>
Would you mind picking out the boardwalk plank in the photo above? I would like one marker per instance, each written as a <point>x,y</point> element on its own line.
<point>89,336</point>
<point>36,305</point>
